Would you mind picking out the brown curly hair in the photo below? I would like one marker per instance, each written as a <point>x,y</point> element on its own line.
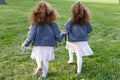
<point>80,14</point>
<point>43,13</point>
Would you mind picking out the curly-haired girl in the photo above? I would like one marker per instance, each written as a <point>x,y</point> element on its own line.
<point>44,35</point>
<point>76,30</point>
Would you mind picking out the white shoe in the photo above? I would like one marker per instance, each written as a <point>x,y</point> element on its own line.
<point>78,73</point>
<point>38,72</point>
<point>70,61</point>
<point>43,76</point>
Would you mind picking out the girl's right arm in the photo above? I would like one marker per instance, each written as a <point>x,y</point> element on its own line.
<point>30,36</point>
<point>57,33</point>
<point>66,28</point>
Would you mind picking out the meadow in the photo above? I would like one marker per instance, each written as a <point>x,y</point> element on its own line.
<point>104,40</point>
<point>102,1</point>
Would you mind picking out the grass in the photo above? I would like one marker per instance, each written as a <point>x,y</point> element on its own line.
<point>102,1</point>
<point>104,40</point>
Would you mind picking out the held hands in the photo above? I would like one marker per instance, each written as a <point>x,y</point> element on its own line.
<point>58,42</point>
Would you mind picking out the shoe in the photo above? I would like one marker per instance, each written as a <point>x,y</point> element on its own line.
<point>70,61</point>
<point>38,72</point>
<point>43,77</point>
<point>78,73</point>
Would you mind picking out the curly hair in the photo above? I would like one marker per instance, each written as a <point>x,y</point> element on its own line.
<point>43,13</point>
<point>80,14</point>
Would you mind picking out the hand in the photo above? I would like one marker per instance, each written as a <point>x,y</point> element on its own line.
<point>23,45</point>
<point>58,42</point>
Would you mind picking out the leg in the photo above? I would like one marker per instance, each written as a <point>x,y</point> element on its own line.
<point>45,68</point>
<point>70,57</point>
<point>39,64</point>
<point>38,71</point>
<point>79,63</point>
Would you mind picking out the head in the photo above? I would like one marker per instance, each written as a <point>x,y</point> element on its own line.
<point>80,14</point>
<point>43,13</point>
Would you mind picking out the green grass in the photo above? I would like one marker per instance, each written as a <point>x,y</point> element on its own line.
<point>104,40</point>
<point>102,1</point>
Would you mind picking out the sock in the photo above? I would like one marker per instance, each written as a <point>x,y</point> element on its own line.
<point>70,55</point>
<point>45,68</point>
<point>79,63</point>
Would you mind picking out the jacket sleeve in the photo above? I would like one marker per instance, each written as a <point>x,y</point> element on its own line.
<point>89,27</point>
<point>66,28</point>
<point>57,33</point>
<point>31,35</point>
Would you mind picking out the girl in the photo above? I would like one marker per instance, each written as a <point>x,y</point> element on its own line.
<point>44,35</point>
<point>76,31</point>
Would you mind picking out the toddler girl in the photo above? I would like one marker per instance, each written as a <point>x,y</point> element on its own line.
<point>76,30</point>
<point>43,35</point>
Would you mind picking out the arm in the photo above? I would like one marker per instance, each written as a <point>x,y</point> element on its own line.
<point>31,35</point>
<point>89,27</point>
<point>57,33</point>
<point>66,28</point>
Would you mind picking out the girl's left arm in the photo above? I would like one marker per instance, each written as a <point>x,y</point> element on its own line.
<point>30,36</point>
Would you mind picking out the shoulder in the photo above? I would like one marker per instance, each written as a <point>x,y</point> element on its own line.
<point>55,27</point>
<point>32,26</point>
<point>88,24</point>
<point>54,24</point>
<point>68,21</point>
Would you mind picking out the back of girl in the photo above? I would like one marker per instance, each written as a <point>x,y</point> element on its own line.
<point>76,31</point>
<point>43,34</point>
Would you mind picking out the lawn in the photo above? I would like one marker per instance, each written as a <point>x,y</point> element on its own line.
<point>102,1</point>
<point>104,40</point>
